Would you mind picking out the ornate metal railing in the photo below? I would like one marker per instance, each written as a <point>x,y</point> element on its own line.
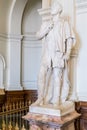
<point>11,116</point>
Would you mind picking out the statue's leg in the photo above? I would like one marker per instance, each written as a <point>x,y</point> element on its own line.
<point>57,81</point>
<point>65,86</point>
<point>48,90</point>
<point>41,85</point>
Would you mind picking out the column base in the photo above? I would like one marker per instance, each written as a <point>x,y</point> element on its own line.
<point>14,87</point>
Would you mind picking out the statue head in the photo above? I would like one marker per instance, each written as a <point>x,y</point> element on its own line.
<point>56,8</point>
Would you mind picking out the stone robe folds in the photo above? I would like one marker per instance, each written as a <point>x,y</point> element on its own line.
<point>55,42</point>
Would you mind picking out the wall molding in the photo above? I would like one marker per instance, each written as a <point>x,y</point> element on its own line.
<point>10,37</point>
<point>24,37</point>
<point>81,1</point>
<point>30,85</point>
<point>13,87</point>
<point>82,96</point>
<point>81,6</point>
<point>30,41</point>
<point>30,37</point>
<point>32,45</point>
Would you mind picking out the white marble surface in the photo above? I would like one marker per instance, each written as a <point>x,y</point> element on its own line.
<point>62,110</point>
<point>58,41</point>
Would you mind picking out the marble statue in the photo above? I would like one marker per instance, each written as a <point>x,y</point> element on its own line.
<point>58,41</point>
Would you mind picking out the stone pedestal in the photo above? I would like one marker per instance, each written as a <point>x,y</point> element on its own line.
<point>46,122</point>
<point>63,109</point>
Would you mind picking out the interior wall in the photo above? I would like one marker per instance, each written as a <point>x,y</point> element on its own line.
<point>31,20</point>
<point>5,6</point>
<point>31,47</point>
<point>82,49</point>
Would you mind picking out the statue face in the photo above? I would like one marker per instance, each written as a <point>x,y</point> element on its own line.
<point>56,8</point>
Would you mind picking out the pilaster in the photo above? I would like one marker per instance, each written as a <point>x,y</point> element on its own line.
<point>13,77</point>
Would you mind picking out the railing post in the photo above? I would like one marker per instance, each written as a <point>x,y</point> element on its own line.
<point>16,127</point>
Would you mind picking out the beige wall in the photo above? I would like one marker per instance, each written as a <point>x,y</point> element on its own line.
<point>81,26</point>
<point>5,6</point>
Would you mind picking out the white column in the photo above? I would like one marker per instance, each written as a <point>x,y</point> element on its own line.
<point>14,63</point>
<point>2,67</point>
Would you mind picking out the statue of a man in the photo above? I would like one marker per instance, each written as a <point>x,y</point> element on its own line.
<point>53,82</point>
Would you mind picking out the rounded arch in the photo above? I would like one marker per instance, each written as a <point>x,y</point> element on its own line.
<point>31,16</point>
<point>15,17</point>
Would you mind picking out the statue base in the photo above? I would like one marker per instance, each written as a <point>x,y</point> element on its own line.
<point>45,122</point>
<point>65,108</point>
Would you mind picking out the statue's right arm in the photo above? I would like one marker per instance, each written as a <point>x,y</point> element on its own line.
<point>44,30</point>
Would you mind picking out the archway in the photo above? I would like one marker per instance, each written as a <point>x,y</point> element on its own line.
<point>31,47</point>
